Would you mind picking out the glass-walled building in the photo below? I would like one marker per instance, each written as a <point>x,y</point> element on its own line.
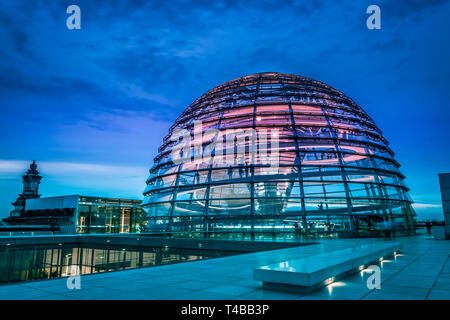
<point>108,215</point>
<point>275,152</point>
<point>83,214</point>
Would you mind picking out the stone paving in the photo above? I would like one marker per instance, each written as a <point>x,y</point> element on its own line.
<point>421,272</point>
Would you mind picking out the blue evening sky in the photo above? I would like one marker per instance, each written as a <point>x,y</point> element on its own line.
<point>92,105</point>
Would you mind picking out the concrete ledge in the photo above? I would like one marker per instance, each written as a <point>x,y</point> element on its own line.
<point>143,240</point>
<point>308,274</point>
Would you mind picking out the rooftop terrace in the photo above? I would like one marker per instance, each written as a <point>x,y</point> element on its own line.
<point>421,272</point>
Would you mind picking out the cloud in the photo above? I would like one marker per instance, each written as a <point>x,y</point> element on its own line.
<point>135,91</point>
<point>426,206</point>
<point>115,136</point>
<point>68,168</point>
<point>403,8</point>
<point>63,178</point>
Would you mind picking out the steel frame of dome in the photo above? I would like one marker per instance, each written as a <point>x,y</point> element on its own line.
<point>336,171</point>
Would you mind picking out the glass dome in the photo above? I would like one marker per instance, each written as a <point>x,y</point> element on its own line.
<point>274,152</point>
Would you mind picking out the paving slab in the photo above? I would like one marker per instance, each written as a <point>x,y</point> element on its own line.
<point>423,260</point>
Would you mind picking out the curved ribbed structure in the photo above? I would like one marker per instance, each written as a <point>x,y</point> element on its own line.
<point>333,168</point>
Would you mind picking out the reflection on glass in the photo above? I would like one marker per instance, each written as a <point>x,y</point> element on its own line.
<point>24,263</point>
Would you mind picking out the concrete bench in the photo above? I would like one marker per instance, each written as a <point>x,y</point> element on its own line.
<point>310,273</point>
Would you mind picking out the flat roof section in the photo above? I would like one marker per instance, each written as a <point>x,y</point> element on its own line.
<point>421,272</point>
